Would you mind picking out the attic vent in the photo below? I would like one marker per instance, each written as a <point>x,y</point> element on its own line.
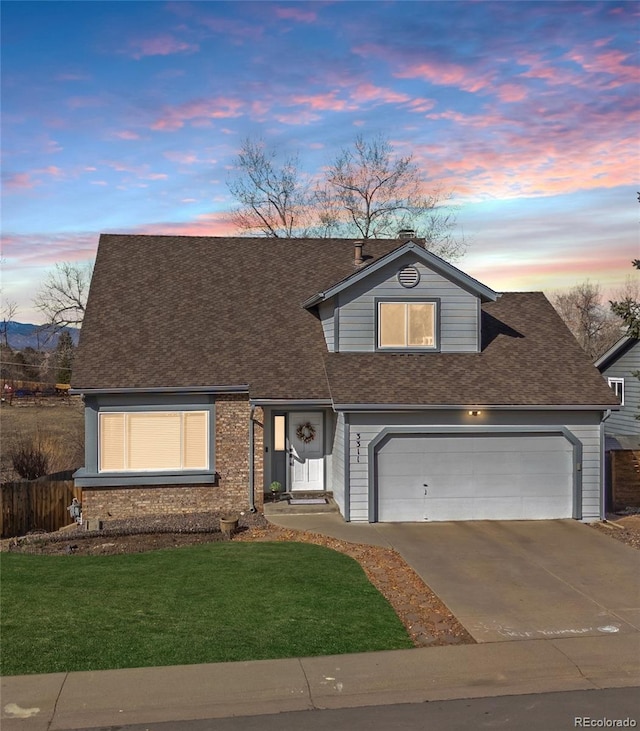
<point>409,277</point>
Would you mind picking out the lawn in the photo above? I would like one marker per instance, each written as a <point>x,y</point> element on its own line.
<point>57,424</point>
<point>206,603</point>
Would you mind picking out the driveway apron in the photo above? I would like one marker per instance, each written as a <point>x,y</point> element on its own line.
<point>516,580</point>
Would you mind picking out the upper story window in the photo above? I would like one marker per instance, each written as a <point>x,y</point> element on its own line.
<point>617,384</point>
<point>407,325</point>
<point>140,441</point>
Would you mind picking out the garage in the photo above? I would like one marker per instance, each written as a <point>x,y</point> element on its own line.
<point>485,476</point>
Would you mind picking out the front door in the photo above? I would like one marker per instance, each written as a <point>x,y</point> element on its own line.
<point>306,451</point>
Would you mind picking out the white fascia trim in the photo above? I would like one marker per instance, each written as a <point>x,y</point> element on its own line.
<point>471,407</point>
<point>161,390</point>
<point>289,402</point>
<point>612,352</point>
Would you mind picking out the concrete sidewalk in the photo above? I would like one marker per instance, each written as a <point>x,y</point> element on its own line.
<point>491,668</point>
<point>148,695</point>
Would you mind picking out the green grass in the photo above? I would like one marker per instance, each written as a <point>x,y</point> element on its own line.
<point>205,603</point>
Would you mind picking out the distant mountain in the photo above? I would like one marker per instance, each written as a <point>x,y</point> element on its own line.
<point>21,335</point>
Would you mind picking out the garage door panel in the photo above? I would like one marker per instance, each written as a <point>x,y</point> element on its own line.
<point>400,465</point>
<point>496,463</point>
<point>402,487</point>
<point>543,486</point>
<point>549,508</point>
<point>442,509</point>
<point>446,464</point>
<point>449,486</point>
<point>389,511</point>
<point>518,476</point>
<point>508,508</point>
<point>550,463</point>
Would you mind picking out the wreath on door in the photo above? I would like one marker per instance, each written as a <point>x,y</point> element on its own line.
<point>306,432</point>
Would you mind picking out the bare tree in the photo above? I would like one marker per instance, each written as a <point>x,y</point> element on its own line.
<point>627,304</point>
<point>592,324</point>
<point>62,297</point>
<point>272,196</point>
<point>9,311</point>
<point>374,193</point>
<point>367,192</point>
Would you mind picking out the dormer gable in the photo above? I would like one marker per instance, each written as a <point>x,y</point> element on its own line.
<point>408,300</point>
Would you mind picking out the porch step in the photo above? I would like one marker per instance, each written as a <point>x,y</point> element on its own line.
<point>283,507</point>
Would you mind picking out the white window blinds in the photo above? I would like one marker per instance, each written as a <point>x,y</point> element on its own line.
<point>154,441</point>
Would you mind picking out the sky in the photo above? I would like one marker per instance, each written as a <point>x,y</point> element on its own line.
<point>126,117</point>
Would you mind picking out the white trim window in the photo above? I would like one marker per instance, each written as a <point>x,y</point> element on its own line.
<point>407,325</point>
<point>153,441</point>
<point>617,386</point>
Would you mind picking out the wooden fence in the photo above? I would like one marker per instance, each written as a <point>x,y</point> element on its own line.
<point>623,479</point>
<point>35,505</point>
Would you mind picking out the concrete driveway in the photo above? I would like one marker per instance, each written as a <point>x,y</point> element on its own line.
<point>513,580</point>
<point>516,580</point>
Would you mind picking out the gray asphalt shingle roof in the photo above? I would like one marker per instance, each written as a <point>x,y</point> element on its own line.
<point>177,312</point>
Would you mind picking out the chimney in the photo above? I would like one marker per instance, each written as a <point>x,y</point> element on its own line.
<point>358,260</point>
<point>406,233</point>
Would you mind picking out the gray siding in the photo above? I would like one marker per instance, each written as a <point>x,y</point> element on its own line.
<point>337,479</point>
<point>458,308</point>
<point>327,318</point>
<point>624,421</point>
<point>94,404</point>
<point>584,425</point>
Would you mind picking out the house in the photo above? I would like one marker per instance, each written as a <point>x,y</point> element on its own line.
<point>375,371</point>
<point>620,366</point>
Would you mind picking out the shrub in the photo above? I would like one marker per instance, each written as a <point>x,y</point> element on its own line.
<point>29,458</point>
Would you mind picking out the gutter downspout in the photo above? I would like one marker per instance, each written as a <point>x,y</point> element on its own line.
<point>252,502</point>
<point>603,463</point>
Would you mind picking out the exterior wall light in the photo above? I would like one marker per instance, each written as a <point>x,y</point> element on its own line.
<point>475,413</point>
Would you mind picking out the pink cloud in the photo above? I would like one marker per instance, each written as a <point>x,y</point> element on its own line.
<point>612,63</point>
<point>216,108</point>
<point>207,224</point>
<point>127,134</point>
<point>371,93</point>
<point>52,170</point>
<point>162,45</point>
<point>421,105</point>
<point>45,249</point>
<point>184,158</point>
<point>446,74</point>
<point>296,13</point>
<point>19,181</point>
<point>301,117</point>
<point>328,101</point>
<point>511,92</point>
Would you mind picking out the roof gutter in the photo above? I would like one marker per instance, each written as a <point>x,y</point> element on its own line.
<point>603,468</point>
<point>162,390</point>
<point>252,501</point>
<point>289,402</point>
<point>484,407</point>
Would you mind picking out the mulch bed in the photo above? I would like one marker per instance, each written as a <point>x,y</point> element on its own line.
<point>427,620</point>
<point>624,527</point>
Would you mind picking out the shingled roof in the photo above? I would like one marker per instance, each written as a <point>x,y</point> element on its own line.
<point>194,312</point>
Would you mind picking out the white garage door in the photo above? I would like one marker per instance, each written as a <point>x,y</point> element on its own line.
<point>508,477</point>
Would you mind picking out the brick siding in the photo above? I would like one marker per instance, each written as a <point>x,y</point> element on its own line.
<point>229,494</point>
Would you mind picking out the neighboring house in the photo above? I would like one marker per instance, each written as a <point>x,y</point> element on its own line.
<point>384,375</point>
<point>620,366</point>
